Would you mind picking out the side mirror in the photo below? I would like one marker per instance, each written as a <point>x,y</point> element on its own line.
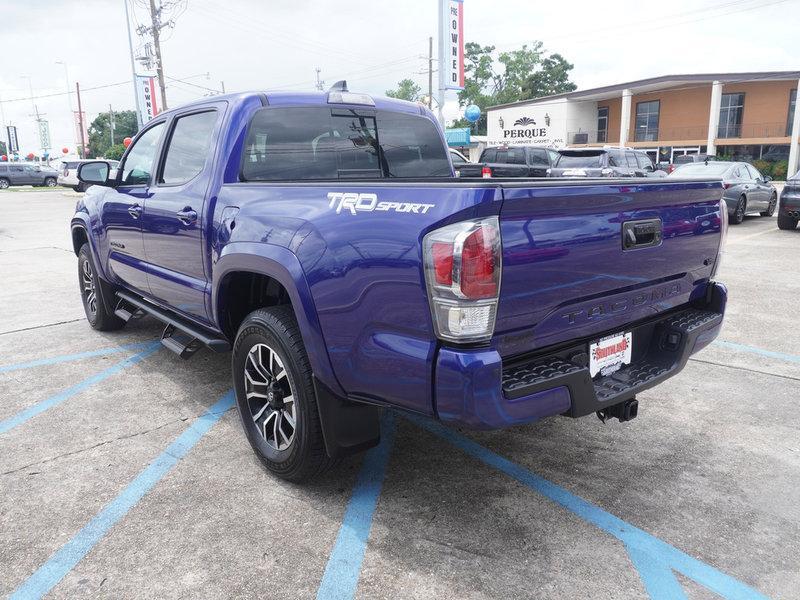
<point>95,173</point>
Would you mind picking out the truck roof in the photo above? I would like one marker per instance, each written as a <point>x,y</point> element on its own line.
<point>309,99</point>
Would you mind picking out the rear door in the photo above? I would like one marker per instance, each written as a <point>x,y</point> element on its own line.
<point>123,208</point>
<point>760,187</point>
<point>172,223</point>
<point>538,162</point>
<point>16,175</point>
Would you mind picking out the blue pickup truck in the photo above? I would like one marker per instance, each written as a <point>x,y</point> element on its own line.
<point>324,241</point>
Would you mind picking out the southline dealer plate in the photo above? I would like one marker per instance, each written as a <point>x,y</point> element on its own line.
<point>608,354</point>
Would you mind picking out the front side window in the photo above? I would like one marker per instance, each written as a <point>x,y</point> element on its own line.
<point>141,157</point>
<point>321,143</point>
<point>188,147</point>
<point>647,121</point>
<point>602,124</point>
<point>792,108</point>
<point>730,116</point>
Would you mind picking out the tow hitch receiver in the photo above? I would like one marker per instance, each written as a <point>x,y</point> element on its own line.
<point>624,411</point>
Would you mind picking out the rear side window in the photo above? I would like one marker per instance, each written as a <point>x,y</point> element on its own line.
<point>516,156</point>
<point>321,143</point>
<point>539,157</point>
<point>631,159</point>
<point>644,161</point>
<point>188,147</point>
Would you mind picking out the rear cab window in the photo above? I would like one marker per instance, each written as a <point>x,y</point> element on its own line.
<point>587,160</point>
<point>307,143</point>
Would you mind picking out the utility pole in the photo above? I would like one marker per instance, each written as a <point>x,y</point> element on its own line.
<point>155,15</point>
<point>133,68</point>
<point>222,86</point>
<point>111,118</point>
<point>320,85</point>
<point>80,119</point>
<point>430,73</point>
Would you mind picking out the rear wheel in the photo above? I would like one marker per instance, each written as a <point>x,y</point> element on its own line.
<point>50,182</point>
<point>275,395</point>
<point>786,222</point>
<point>4,183</point>
<point>773,202</point>
<point>93,291</point>
<point>738,213</point>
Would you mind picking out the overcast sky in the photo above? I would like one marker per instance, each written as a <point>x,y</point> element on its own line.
<point>276,44</point>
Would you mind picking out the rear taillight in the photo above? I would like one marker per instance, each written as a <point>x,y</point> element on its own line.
<point>486,172</point>
<point>462,270</point>
<point>725,186</point>
<point>723,226</point>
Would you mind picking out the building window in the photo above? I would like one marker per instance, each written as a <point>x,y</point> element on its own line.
<point>730,116</point>
<point>792,106</point>
<point>602,124</point>
<point>647,121</point>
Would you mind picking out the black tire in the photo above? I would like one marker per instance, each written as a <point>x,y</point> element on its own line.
<point>773,202</point>
<point>50,182</point>
<point>81,187</point>
<point>786,222</point>
<point>303,457</point>
<point>4,183</point>
<point>93,291</point>
<point>738,213</point>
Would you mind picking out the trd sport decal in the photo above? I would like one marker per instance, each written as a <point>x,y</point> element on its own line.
<point>355,202</point>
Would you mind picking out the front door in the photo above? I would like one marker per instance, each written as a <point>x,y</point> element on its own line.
<point>123,207</point>
<point>172,224</point>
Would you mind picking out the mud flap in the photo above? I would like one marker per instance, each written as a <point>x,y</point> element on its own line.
<point>347,427</point>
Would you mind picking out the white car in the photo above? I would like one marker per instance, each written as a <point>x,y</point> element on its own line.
<point>68,177</point>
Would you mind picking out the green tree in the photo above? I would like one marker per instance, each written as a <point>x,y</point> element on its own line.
<point>406,90</point>
<point>516,75</point>
<point>100,131</point>
<point>114,152</point>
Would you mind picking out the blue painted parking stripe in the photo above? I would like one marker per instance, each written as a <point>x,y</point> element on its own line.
<point>658,579</point>
<point>70,554</point>
<point>761,351</point>
<point>344,564</point>
<point>658,555</point>
<point>54,360</point>
<point>52,401</point>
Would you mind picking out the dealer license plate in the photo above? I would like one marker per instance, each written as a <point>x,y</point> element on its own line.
<point>610,353</point>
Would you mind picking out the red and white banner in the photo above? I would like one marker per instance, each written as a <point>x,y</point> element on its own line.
<point>146,91</point>
<point>453,36</point>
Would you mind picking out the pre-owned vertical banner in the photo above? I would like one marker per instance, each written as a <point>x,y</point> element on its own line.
<point>13,141</point>
<point>453,34</point>
<point>146,90</point>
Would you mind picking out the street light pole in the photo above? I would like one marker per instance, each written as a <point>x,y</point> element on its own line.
<point>69,96</point>
<point>139,122</point>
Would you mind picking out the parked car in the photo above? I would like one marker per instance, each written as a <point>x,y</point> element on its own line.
<point>746,190</point>
<point>684,159</point>
<point>512,161</point>
<point>789,211</point>
<point>322,239</point>
<point>458,160</point>
<point>12,173</point>
<point>604,162</point>
<point>69,173</point>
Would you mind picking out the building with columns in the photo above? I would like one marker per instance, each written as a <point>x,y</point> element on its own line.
<point>744,116</point>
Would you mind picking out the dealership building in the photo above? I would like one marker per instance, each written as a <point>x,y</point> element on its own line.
<point>747,116</point>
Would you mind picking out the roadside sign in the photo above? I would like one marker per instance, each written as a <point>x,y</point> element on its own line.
<point>146,92</point>
<point>452,44</point>
<point>13,142</point>
<point>44,134</point>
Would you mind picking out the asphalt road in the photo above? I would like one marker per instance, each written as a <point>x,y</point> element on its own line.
<point>124,473</point>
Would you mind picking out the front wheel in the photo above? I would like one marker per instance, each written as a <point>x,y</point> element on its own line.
<point>786,222</point>
<point>773,202</point>
<point>275,395</point>
<point>738,213</point>
<point>93,291</point>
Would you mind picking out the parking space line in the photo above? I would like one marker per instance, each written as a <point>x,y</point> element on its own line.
<point>754,350</point>
<point>340,579</point>
<point>60,397</point>
<point>54,360</point>
<point>657,557</point>
<point>70,554</point>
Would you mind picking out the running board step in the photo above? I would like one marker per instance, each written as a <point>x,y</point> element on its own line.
<point>182,344</point>
<point>128,313</point>
<point>184,333</point>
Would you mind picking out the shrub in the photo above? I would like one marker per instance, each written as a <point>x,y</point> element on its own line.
<point>764,166</point>
<point>779,170</point>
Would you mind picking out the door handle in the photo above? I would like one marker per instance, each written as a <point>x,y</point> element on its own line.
<point>187,216</point>
<point>135,211</point>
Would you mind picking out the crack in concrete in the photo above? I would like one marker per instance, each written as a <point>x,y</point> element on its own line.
<point>41,326</point>
<point>711,362</point>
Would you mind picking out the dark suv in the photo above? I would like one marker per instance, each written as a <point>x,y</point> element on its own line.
<point>789,211</point>
<point>604,162</point>
<point>26,174</point>
<point>511,161</point>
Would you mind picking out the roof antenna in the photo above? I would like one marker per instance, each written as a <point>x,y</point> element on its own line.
<point>339,86</point>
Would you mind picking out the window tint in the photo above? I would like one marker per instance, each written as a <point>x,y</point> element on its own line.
<point>457,160</point>
<point>188,147</point>
<point>139,162</point>
<point>316,143</point>
<point>580,159</point>
<point>754,173</point>
<point>539,158</point>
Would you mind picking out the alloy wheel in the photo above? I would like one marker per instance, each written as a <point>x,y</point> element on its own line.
<point>89,291</point>
<point>3,184</point>
<point>270,397</point>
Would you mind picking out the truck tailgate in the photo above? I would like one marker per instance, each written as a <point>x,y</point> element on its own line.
<point>567,274</point>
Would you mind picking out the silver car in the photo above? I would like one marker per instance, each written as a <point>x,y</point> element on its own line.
<point>746,191</point>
